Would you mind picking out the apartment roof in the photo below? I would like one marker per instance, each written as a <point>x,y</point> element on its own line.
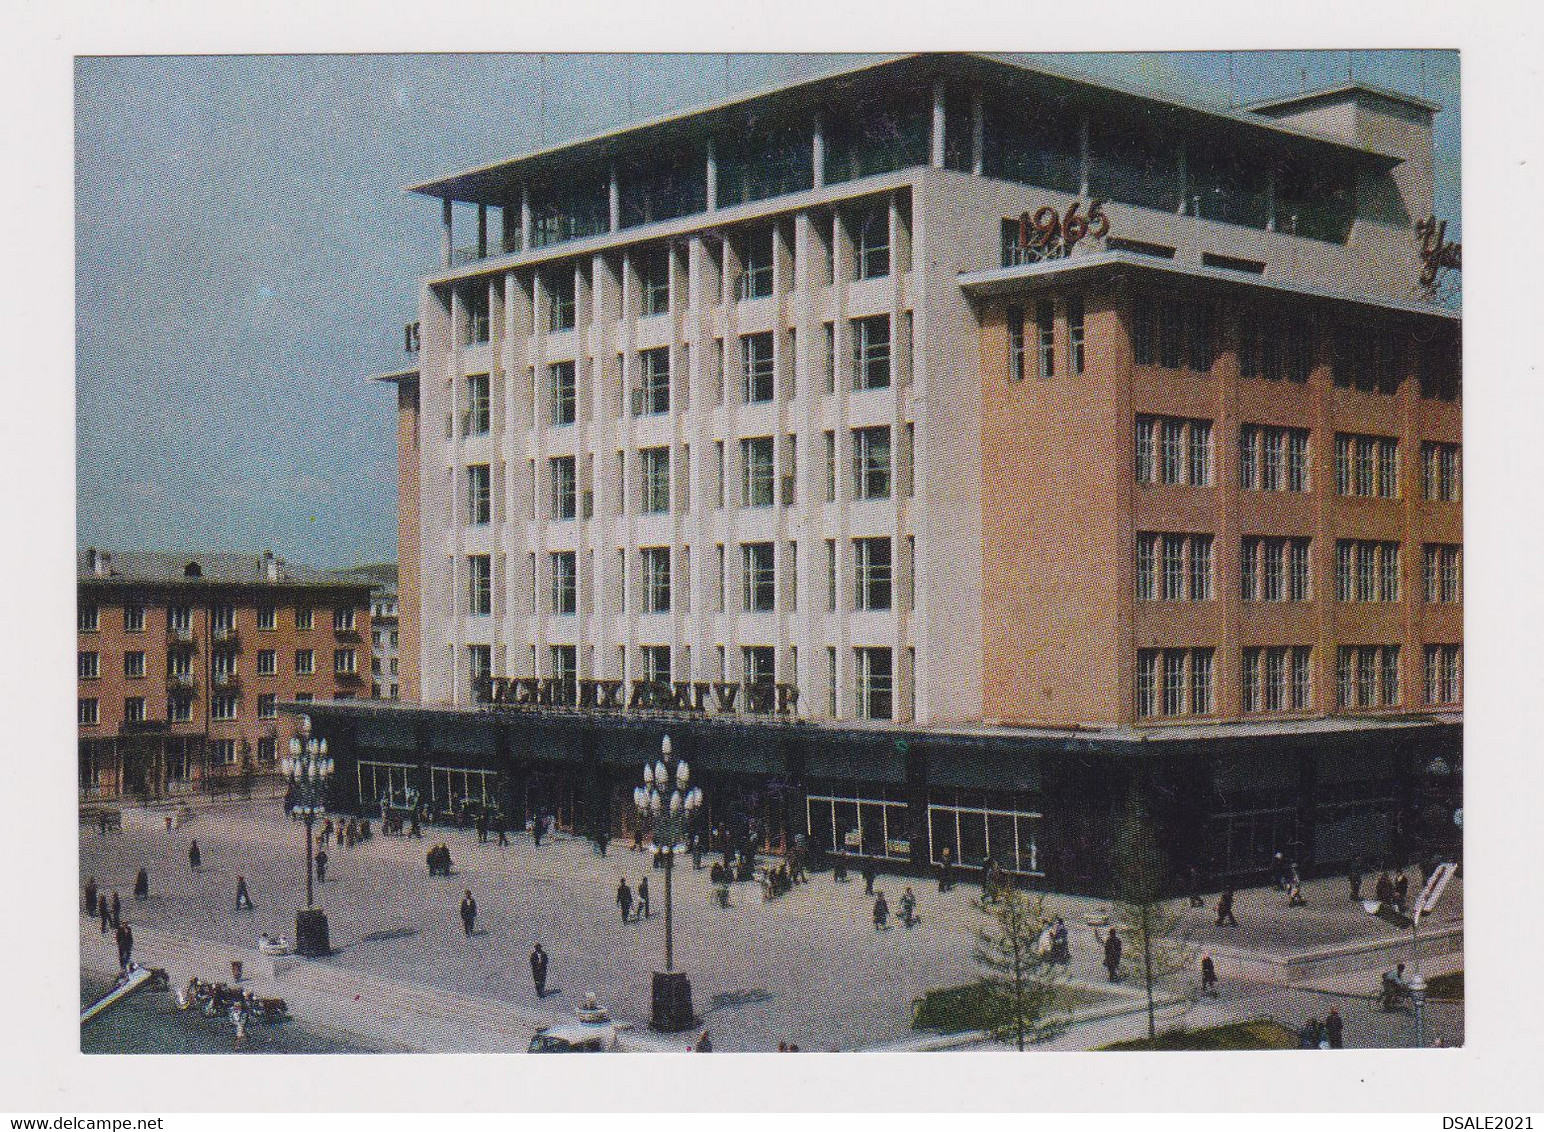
<point>1010,280</point>
<point>1325,93</point>
<point>162,567</point>
<point>494,183</point>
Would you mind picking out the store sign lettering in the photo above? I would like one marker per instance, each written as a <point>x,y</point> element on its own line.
<point>696,697</point>
<point>1436,250</point>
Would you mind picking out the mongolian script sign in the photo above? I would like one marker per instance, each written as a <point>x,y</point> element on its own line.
<point>1436,250</point>
<point>700,697</point>
<point>1048,234</point>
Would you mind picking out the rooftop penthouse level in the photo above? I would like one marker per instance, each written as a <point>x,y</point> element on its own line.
<point>1348,169</point>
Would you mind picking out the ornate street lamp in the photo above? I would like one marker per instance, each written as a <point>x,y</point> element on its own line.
<point>308,769</point>
<point>668,801</point>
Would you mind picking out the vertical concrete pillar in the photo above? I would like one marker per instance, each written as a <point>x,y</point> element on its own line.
<point>818,149</point>
<point>614,198</point>
<point>525,219</point>
<point>510,233</point>
<point>447,249</point>
<point>711,172</point>
<point>1083,155</point>
<point>938,124</point>
<point>977,133</point>
<point>482,231</point>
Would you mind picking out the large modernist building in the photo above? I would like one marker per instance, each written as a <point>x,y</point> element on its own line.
<point>183,660</point>
<point>933,449</point>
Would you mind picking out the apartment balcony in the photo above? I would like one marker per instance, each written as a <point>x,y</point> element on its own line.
<point>180,636</point>
<point>227,680</point>
<point>180,681</point>
<point>226,636</point>
<point>350,634</point>
<point>347,677</point>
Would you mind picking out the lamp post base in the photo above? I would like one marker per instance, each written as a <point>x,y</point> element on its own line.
<point>311,933</point>
<point>672,1003</point>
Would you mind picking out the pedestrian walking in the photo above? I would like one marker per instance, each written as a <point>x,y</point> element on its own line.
<point>195,858</point>
<point>503,827</point>
<point>125,939</point>
<point>1279,870</point>
<point>1112,949</point>
<point>1383,890</point>
<point>881,912</point>
<point>117,911</point>
<point>91,895</point>
<point>1225,908</point>
<point>1311,1036</point>
<point>1354,883</point>
<point>539,963</point>
<point>1208,976</point>
<point>696,852</point>
<point>1335,1029</point>
<point>321,866</point>
<point>643,897</point>
<point>625,900</point>
<point>868,878</point>
<point>537,830</point>
<point>945,870</point>
<point>908,907</point>
<point>326,832</point>
<point>1401,892</point>
<point>141,885</point>
<point>468,912</point>
<point>102,822</point>
<point>414,829</point>
<point>1195,888</point>
<point>243,897</point>
<point>104,913</point>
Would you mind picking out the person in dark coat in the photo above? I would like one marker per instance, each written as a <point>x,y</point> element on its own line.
<point>503,829</point>
<point>1311,1034</point>
<point>326,835</point>
<point>537,830</point>
<point>1112,949</point>
<point>91,896</point>
<point>868,878</point>
<point>321,865</point>
<point>141,884</point>
<point>468,912</point>
<point>1354,883</point>
<point>125,939</point>
<point>243,897</point>
<point>1335,1029</point>
<point>117,911</point>
<point>946,871</point>
<point>1225,908</point>
<point>1208,976</point>
<point>1383,890</point>
<point>195,858</point>
<point>482,829</point>
<point>104,913</point>
<point>539,963</point>
<point>625,899</point>
<point>881,912</point>
<point>1401,891</point>
<point>643,897</point>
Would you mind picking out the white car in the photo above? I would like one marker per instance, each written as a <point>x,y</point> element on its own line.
<point>574,1039</point>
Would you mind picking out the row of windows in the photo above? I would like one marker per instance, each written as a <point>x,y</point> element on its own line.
<point>1032,348</point>
<point>872,472</point>
<point>179,664</point>
<point>872,572</point>
<point>1179,567</point>
<point>223,708</point>
<point>1179,681</point>
<point>222,618</point>
<point>380,637</point>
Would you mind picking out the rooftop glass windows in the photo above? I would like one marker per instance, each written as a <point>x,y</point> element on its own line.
<point>765,158</point>
<point>1135,162</point>
<point>1035,145</point>
<point>869,134</point>
<point>578,209</point>
<point>662,187</point>
<point>1228,185</point>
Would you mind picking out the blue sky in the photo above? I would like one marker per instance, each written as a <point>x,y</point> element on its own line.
<point>245,257</point>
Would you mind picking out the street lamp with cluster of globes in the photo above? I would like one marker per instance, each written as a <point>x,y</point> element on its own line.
<point>669,802</point>
<point>308,769</point>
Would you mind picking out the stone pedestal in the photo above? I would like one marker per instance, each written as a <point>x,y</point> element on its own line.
<point>672,1003</point>
<point>311,933</point>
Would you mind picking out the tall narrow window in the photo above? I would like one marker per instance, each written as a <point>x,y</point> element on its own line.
<point>654,465</point>
<point>654,282</point>
<point>757,368</point>
<point>871,463</point>
<point>1045,338</point>
<point>875,683</point>
<point>756,277</point>
<point>756,462</point>
<point>871,243</point>
<point>831,590</point>
<point>872,570</point>
<point>478,417</point>
<point>479,576</point>
<point>560,301</point>
<point>564,487</point>
<point>562,390</point>
<point>478,494</point>
<point>1015,321</point>
<point>653,394</point>
<point>758,576</point>
<point>1075,333</point>
<point>656,578</point>
<point>871,352</point>
<point>565,582</point>
<point>830,439</point>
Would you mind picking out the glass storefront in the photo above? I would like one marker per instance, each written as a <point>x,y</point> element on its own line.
<point>450,787</point>
<point>390,783</point>
<point>872,827</point>
<point>972,834</point>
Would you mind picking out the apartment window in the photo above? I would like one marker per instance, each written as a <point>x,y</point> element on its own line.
<point>872,572</point>
<point>86,711</point>
<point>1367,466</point>
<point>655,480</point>
<point>830,443</point>
<point>1015,320</point>
<point>479,494</point>
<point>876,683</point>
<point>223,706</point>
<point>1272,459</point>
<point>267,618</point>
<point>831,568</point>
<point>757,663</point>
<point>1075,334</point>
<point>1045,338</point>
<point>653,394</point>
<point>656,663</point>
<point>872,243</point>
<point>344,662</point>
<point>305,697</point>
<point>267,662</point>
<point>1174,682</point>
<point>656,578</point>
<point>756,265</point>
<point>179,708</point>
<point>1142,332</point>
<point>871,463</point>
<point>268,706</point>
<point>179,618</point>
<point>564,487</point>
<point>1173,567</point>
<point>134,619</point>
<point>475,298</point>
<point>134,709</point>
<point>1443,573</point>
<point>1366,571</point>
<point>756,368</point>
<point>1441,478</point>
<point>565,581</point>
<point>134,665</point>
<point>1443,675</point>
<point>305,662</point>
<point>831,682</point>
<point>1275,569</point>
<point>88,665</point>
<point>758,577</point>
<point>1277,679</point>
<point>560,301</point>
<point>1173,450</point>
<point>562,392</point>
<point>179,664</point>
<point>871,352</point>
<point>477,413</point>
<point>756,466</point>
<point>224,663</point>
<point>828,356</point>
<point>343,619</point>
<point>479,583</point>
<point>654,280</point>
<point>1367,676</point>
<point>479,663</point>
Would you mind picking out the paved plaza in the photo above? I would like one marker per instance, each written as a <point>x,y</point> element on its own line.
<point>808,967</point>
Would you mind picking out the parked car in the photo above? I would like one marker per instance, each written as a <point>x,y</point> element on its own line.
<point>574,1039</point>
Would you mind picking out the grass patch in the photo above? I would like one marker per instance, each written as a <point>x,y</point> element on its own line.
<point>1259,1034</point>
<point>954,1010</point>
<point>1446,986</point>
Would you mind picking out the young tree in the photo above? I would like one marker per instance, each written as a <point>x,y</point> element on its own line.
<point>1140,872</point>
<point>1019,987</point>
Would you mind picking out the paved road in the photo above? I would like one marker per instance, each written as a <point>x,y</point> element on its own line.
<point>808,967</point>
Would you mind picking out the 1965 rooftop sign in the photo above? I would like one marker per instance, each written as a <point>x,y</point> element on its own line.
<point>647,695</point>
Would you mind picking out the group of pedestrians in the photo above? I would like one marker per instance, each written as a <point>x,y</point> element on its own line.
<point>438,859</point>
<point>627,902</point>
<point>1328,1033</point>
<point>347,833</point>
<point>110,912</point>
